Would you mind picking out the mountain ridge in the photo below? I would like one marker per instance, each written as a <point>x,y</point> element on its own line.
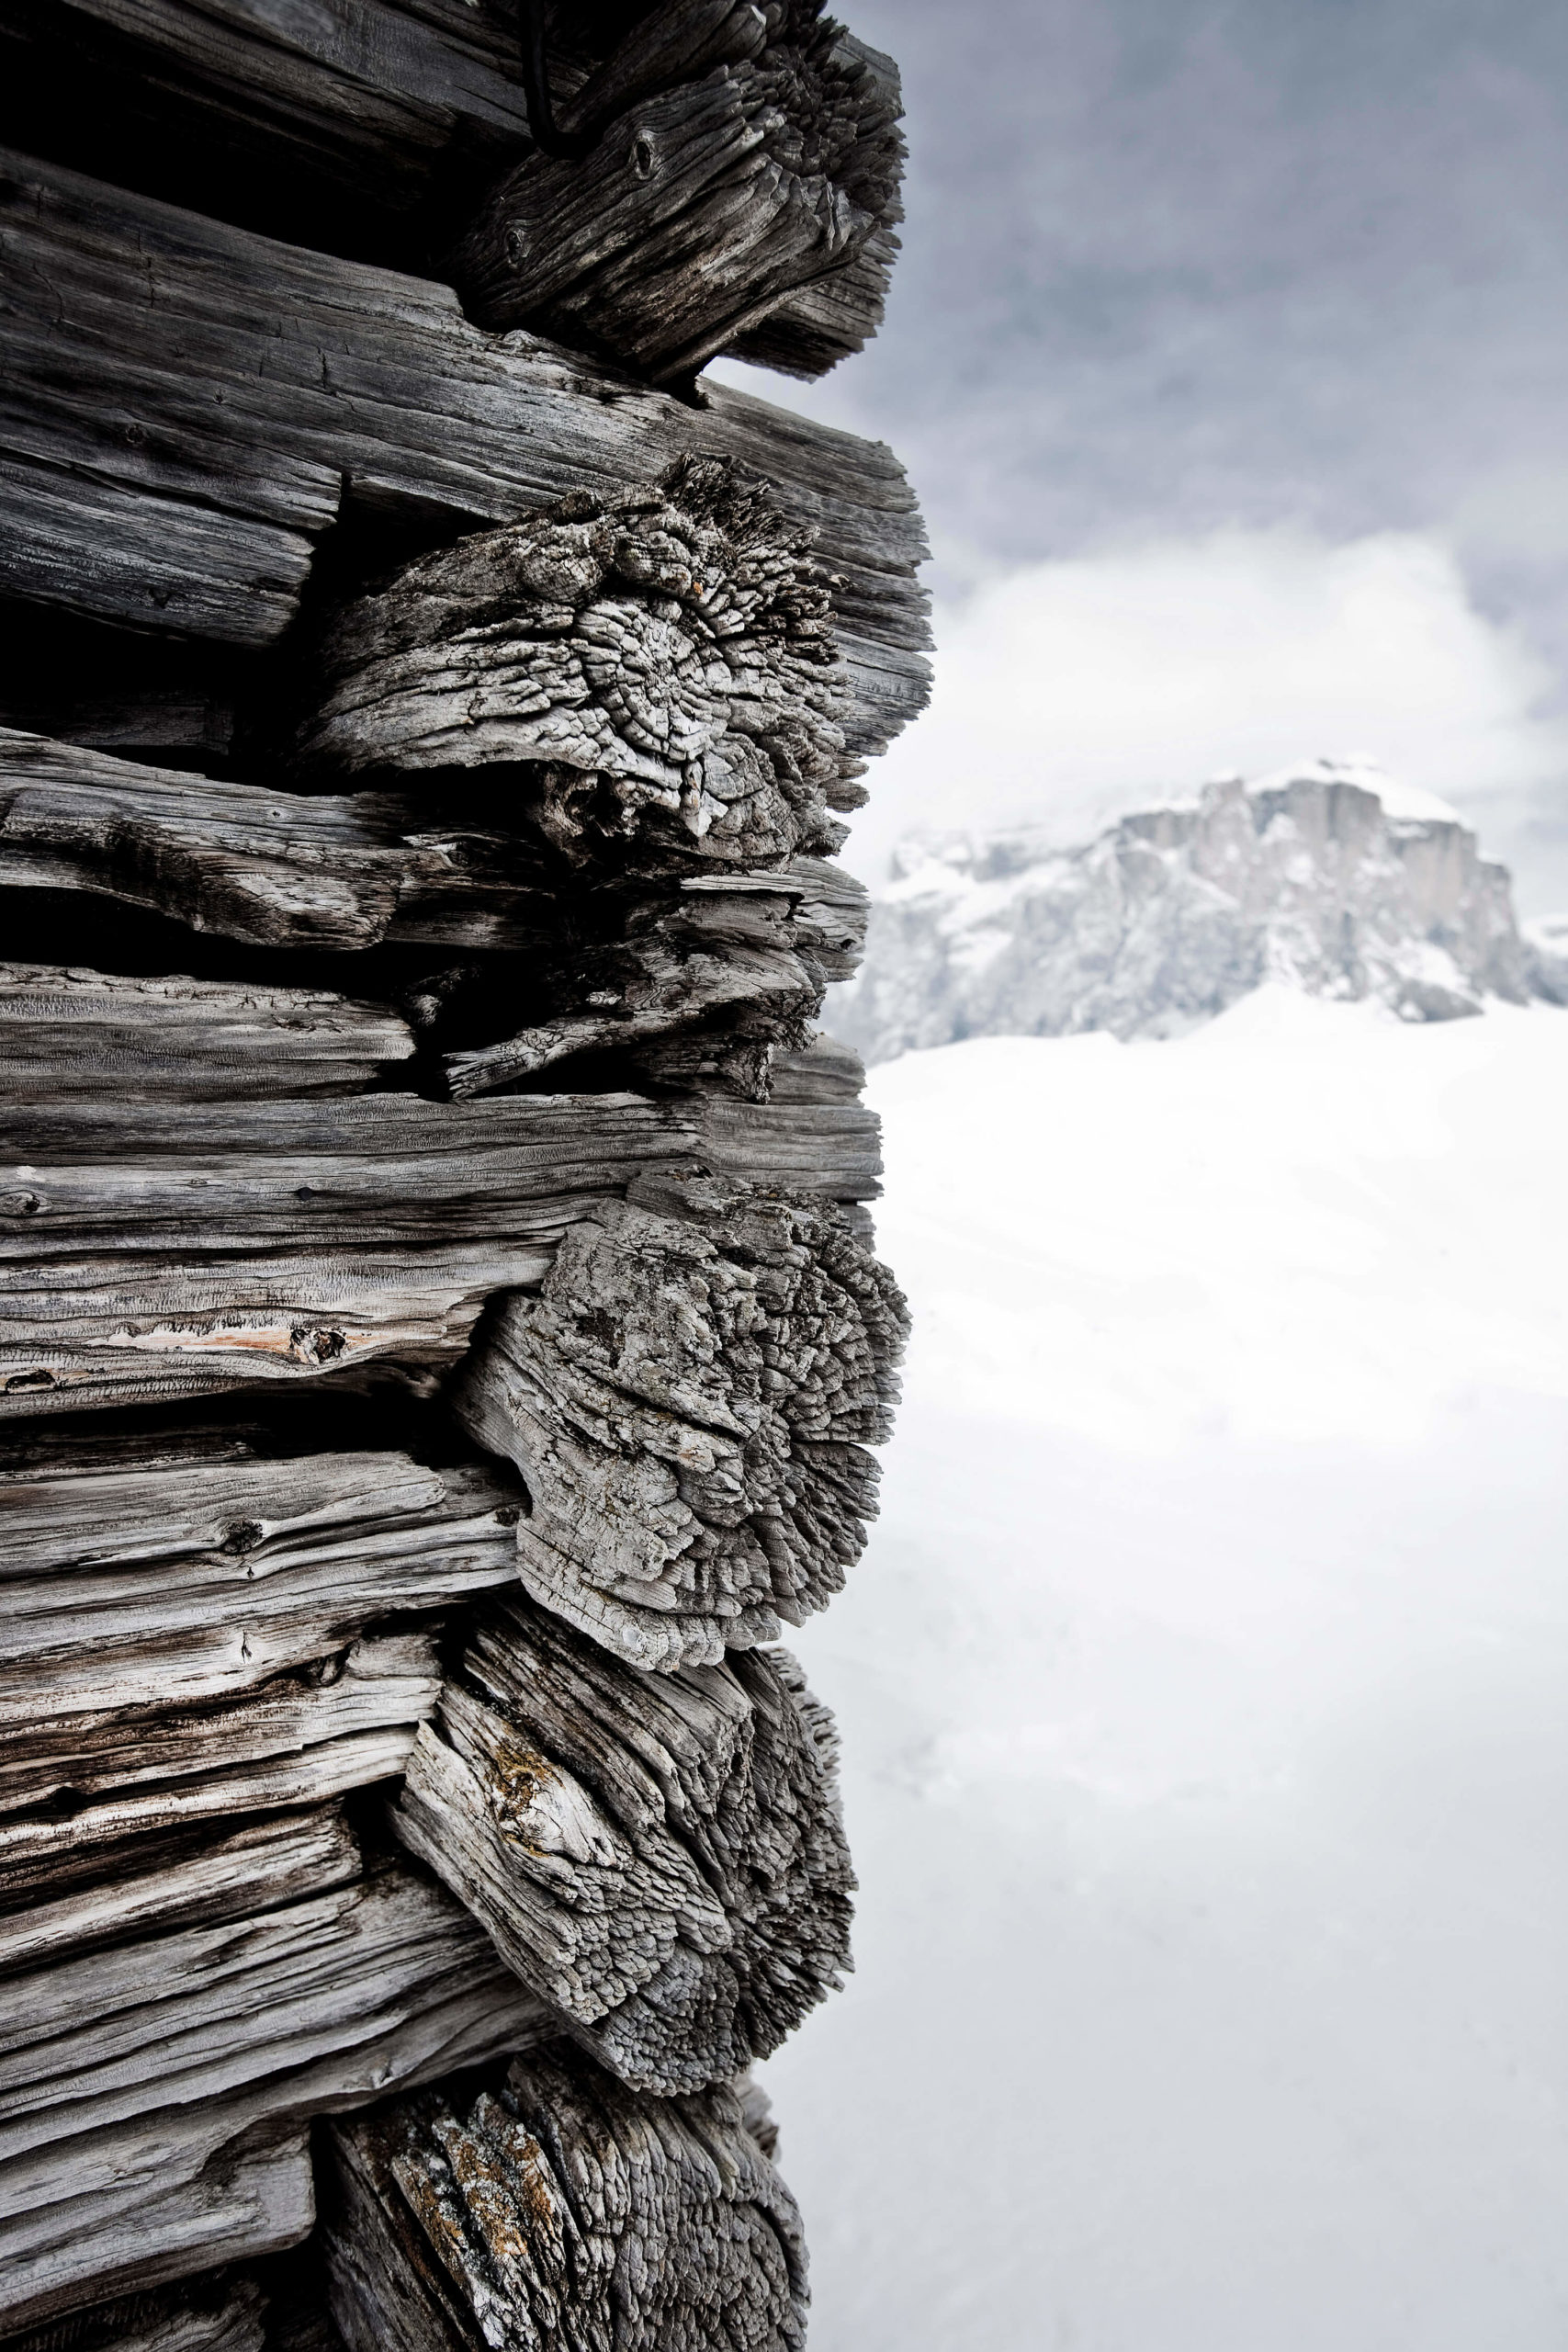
<point>1329,876</point>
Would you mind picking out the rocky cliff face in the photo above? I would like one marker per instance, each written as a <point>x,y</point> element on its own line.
<point>1330,878</point>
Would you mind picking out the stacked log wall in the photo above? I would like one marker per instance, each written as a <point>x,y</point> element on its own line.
<point>442,1347</point>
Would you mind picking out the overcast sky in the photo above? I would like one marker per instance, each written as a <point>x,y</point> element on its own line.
<point>1229,327</point>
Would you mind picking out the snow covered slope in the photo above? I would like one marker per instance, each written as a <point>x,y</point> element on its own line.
<point>1202,1697</point>
<point>1331,877</point>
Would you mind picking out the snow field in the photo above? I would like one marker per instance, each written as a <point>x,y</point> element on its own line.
<point>1203,1695</point>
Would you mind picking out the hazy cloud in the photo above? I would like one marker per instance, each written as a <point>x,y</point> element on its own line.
<point>1074,690</point>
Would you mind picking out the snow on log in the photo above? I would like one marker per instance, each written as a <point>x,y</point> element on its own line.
<point>660,1857</point>
<point>556,2208</point>
<point>689,1399</point>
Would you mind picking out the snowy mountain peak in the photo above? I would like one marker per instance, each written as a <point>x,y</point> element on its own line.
<point>1401,801</point>
<point>1330,877</point>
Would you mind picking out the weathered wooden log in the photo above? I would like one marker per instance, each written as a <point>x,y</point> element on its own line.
<point>154,2097</point>
<point>263,867</point>
<point>185,406</point>
<point>69,1031</point>
<point>371,130</point>
<point>73,1785</point>
<point>823,1072</point>
<point>143,1570</point>
<point>663,664</point>
<point>686,981</point>
<point>154,1252</point>
<point>174,1252</point>
<point>202,1875</point>
<point>738,153</point>
<point>689,1399</point>
<point>558,2209</point>
<point>223,2310</point>
<point>335,123</point>
<point>705,989</point>
<point>660,1857</point>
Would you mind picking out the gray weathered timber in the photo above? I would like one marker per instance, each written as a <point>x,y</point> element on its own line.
<point>223,2312</point>
<point>660,1857</point>
<point>260,864</point>
<point>558,2209</point>
<point>690,1398</point>
<point>66,1030</point>
<point>664,660</point>
<point>161,1251</point>
<point>742,154</point>
<point>209,1874</point>
<point>178,1250</point>
<point>203,1573</point>
<point>185,406</point>
<point>71,1784</point>
<point>712,988</point>
<point>691,980</point>
<point>154,2097</point>
<point>364,99</point>
<point>822,1073</point>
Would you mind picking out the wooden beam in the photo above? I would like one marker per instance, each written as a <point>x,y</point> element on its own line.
<point>735,155</point>
<point>142,2136</point>
<point>661,1858</point>
<point>187,406</point>
<point>689,1399</point>
<point>178,1571</point>
<point>66,1030</point>
<point>556,2208</point>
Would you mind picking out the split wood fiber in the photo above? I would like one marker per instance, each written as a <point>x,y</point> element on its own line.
<point>660,1857</point>
<point>690,1398</point>
<point>558,2209</point>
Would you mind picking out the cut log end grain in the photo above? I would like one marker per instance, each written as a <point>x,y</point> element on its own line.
<point>690,1398</point>
<point>660,1857</point>
<point>556,2212</point>
<point>659,668</point>
<point>733,168</point>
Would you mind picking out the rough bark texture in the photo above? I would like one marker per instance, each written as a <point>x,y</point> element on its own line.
<point>661,1857</point>
<point>438,1335</point>
<point>557,2209</point>
<point>689,1399</point>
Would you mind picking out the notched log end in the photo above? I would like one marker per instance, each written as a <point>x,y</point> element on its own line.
<point>656,674</point>
<point>737,187</point>
<point>557,2208</point>
<point>661,1857</point>
<point>690,1399</point>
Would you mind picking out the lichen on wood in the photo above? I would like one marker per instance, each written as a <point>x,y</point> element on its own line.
<point>555,2209</point>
